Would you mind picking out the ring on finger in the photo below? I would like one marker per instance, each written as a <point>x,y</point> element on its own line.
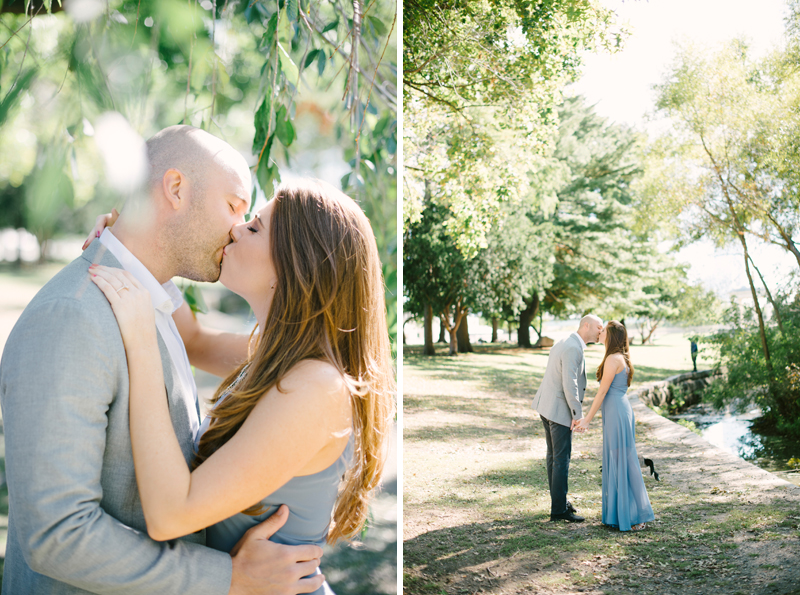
<point>123,287</point>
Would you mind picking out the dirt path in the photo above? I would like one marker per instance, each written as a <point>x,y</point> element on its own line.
<point>476,506</point>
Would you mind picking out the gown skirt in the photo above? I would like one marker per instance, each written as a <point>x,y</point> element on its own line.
<point>625,501</point>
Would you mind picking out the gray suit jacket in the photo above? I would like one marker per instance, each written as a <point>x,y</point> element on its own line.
<point>561,392</point>
<point>75,520</point>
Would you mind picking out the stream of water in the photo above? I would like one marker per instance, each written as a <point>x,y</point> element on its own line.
<point>732,431</point>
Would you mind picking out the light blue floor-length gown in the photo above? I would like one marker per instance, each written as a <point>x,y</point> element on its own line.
<point>310,499</point>
<point>625,501</point>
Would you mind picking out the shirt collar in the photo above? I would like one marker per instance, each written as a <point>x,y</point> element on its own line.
<point>583,343</point>
<point>166,298</point>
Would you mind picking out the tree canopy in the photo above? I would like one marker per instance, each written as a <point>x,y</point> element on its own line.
<point>482,81</point>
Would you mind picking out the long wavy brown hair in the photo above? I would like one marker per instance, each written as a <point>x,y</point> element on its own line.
<point>328,305</point>
<point>616,342</point>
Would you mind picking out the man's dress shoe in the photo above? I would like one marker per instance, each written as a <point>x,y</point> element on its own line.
<point>567,516</point>
<point>571,508</point>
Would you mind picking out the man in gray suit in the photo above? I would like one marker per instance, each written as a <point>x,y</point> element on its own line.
<point>75,520</point>
<point>558,402</point>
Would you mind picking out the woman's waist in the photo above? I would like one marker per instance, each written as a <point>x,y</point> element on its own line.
<point>615,397</point>
<point>298,529</point>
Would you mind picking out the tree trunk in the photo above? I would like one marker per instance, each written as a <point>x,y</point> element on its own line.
<point>453,343</point>
<point>526,317</point>
<point>18,261</point>
<point>769,297</point>
<point>739,229</point>
<point>790,245</point>
<point>762,331</point>
<point>541,324</point>
<point>428,349</point>
<point>43,249</point>
<point>441,338</point>
<point>653,327</point>
<point>458,315</point>
<point>495,324</point>
<point>462,336</point>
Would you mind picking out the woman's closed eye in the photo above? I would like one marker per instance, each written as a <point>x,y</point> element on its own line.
<point>251,228</point>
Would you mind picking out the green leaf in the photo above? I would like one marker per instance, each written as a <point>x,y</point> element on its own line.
<point>380,28</point>
<point>291,10</point>
<point>289,68</point>
<point>267,173</point>
<point>194,297</point>
<point>312,55</point>
<point>262,120</point>
<point>331,26</point>
<point>8,101</point>
<point>269,34</point>
<point>253,196</point>
<point>285,28</point>
<point>321,62</point>
<point>284,128</point>
<point>381,126</point>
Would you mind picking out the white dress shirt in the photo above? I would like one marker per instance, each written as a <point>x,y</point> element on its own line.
<point>166,299</point>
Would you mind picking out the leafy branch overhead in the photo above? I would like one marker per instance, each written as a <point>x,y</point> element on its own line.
<point>299,38</point>
<point>482,84</point>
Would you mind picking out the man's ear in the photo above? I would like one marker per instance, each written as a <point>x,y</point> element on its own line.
<point>175,187</point>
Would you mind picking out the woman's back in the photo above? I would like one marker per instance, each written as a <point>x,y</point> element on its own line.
<point>310,499</point>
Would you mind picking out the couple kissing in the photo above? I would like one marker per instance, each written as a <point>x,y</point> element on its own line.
<point>116,484</point>
<point>559,402</point>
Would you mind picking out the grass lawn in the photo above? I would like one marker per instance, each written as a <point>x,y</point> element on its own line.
<point>476,504</point>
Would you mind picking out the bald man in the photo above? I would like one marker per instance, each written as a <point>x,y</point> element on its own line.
<point>558,402</point>
<point>75,520</point>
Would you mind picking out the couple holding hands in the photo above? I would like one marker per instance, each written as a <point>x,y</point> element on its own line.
<point>559,404</point>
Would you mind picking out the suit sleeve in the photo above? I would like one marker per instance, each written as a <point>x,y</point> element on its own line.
<point>570,369</point>
<point>58,380</point>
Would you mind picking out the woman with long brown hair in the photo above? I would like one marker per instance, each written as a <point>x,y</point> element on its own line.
<point>625,502</point>
<point>311,403</point>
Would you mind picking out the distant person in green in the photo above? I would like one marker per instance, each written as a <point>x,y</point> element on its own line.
<point>694,355</point>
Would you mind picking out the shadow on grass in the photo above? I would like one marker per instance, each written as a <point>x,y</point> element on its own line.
<point>489,422</point>
<point>692,548</point>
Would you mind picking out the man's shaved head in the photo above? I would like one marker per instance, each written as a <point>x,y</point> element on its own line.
<point>590,318</point>
<point>199,188</point>
<point>590,327</point>
<point>193,152</point>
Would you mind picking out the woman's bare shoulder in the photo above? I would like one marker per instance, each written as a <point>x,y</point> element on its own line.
<point>314,375</point>
<point>617,361</point>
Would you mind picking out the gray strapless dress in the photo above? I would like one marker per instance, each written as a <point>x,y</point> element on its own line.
<point>310,499</point>
<point>625,501</point>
